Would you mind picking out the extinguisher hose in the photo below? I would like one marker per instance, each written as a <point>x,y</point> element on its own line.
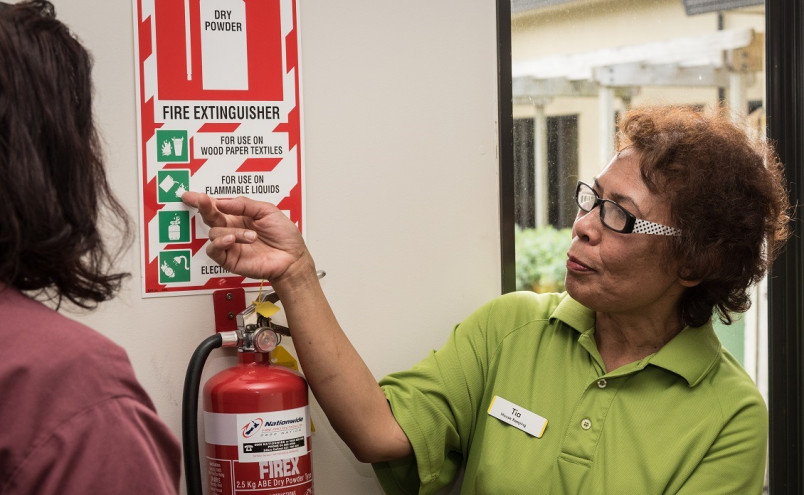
<point>189,420</point>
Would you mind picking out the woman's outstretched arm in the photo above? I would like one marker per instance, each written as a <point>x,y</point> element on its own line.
<point>256,240</point>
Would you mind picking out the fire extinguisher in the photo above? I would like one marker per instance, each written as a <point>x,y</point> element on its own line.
<point>256,416</point>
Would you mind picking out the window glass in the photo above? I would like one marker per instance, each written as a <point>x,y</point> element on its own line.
<point>575,65</point>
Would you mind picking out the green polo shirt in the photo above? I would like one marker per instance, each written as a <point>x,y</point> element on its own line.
<point>686,419</point>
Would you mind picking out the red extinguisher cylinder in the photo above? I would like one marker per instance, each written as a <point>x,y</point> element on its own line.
<point>257,430</point>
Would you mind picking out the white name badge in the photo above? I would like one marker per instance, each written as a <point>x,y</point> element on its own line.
<point>518,417</point>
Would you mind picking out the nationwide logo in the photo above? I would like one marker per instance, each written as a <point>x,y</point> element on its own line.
<point>252,427</point>
<point>283,422</point>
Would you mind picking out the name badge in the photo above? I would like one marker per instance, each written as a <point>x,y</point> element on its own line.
<point>518,417</point>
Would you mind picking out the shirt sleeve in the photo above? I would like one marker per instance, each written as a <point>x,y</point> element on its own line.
<point>436,403</point>
<point>735,463</point>
<point>117,446</point>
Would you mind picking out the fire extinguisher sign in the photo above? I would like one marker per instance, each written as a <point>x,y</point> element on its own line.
<point>219,112</point>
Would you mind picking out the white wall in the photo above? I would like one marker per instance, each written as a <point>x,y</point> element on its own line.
<point>400,135</point>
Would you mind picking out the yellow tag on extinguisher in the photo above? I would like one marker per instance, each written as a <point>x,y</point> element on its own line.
<point>282,357</point>
<point>264,308</point>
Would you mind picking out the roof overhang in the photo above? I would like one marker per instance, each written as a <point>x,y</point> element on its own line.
<point>706,60</point>
<point>693,7</point>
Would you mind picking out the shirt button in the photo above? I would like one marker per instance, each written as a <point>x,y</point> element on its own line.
<point>586,423</point>
<point>601,383</point>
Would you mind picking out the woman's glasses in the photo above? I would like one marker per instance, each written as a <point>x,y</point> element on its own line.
<point>615,217</point>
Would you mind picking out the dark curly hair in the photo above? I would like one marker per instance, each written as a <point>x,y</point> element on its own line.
<point>726,193</point>
<point>54,189</point>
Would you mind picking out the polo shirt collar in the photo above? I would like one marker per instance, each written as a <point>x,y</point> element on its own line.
<point>574,314</point>
<point>691,354</point>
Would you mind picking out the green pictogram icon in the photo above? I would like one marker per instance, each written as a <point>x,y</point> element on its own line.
<point>172,146</point>
<point>171,184</point>
<point>174,226</point>
<point>174,266</point>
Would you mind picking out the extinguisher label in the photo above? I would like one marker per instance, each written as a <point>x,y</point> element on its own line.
<point>261,436</point>
<point>293,476</point>
<point>266,453</point>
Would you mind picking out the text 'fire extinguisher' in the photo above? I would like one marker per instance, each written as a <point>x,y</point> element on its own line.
<point>257,424</point>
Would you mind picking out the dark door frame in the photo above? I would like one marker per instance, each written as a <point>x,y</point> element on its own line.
<point>784,50</point>
<point>505,123</point>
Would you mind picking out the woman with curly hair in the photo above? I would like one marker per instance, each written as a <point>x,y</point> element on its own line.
<point>75,419</point>
<point>618,385</point>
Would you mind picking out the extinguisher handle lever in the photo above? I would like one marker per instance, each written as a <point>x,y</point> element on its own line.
<point>280,329</point>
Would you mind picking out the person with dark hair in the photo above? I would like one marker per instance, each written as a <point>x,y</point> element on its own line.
<point>75,419</point>
<point>618,385</point>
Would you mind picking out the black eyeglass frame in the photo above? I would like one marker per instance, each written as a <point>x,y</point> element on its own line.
<point>630,219</point>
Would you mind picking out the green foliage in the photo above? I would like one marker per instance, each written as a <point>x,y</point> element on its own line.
<point>541,258</point>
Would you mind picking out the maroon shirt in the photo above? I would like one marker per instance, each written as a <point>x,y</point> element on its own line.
<point>73,418</point>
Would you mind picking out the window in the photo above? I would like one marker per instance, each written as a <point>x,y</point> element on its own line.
<point>560,30</point>
<point>577,64</point>
<point>558,171</point>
